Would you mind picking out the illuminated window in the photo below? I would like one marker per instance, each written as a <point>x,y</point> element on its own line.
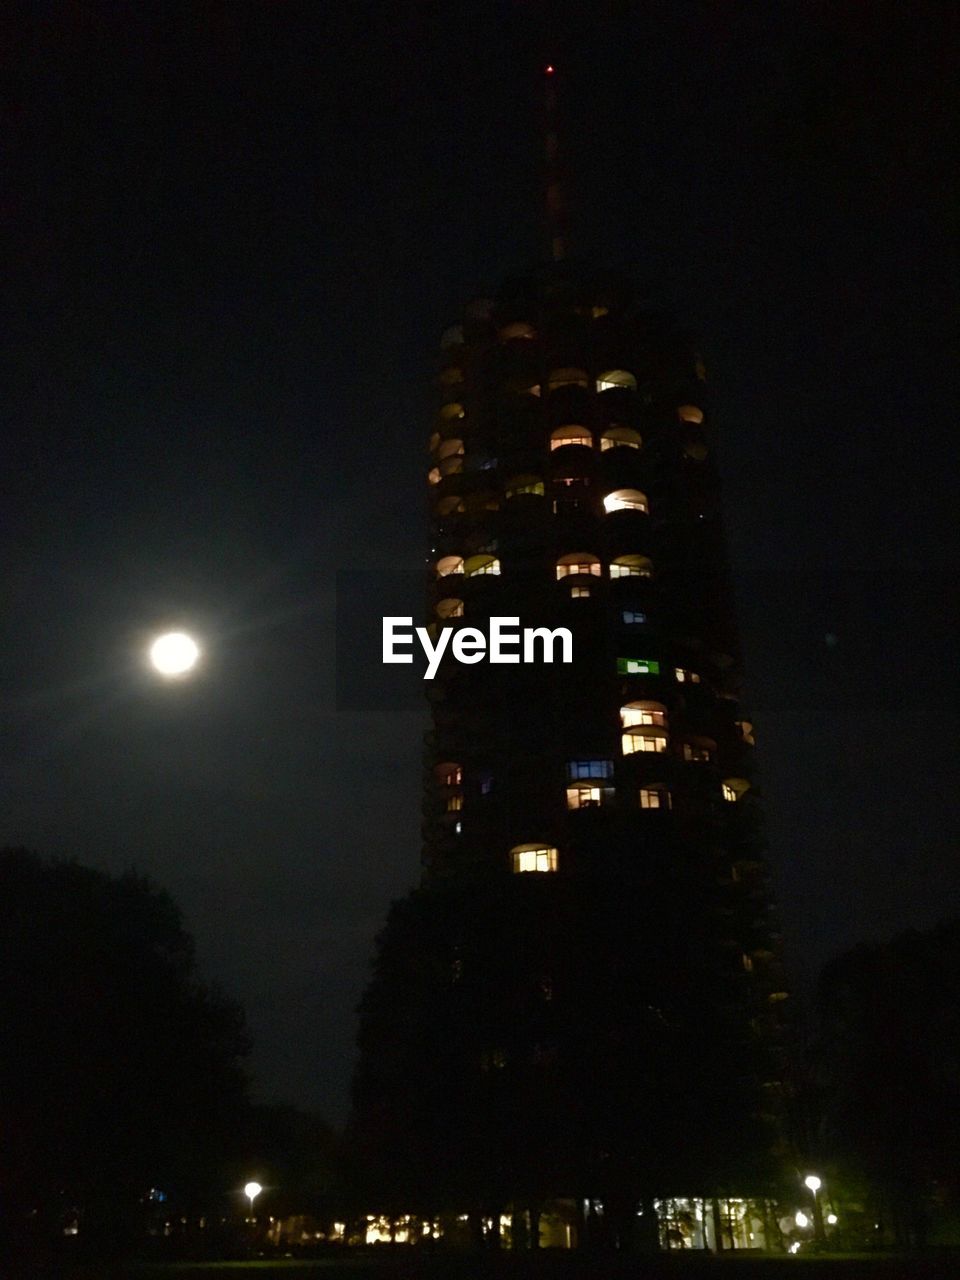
<point>448,565</point>
<point>747,962</point>
<point>654,797</point>
<point>578,562</point>
<point>450,607</point>
<point>746,732</point>
<point>643,740</point>
<point>534,857</point>
<point>577,769</point>
<point>579,593</point>
<point>572,482</point>
<point>696,752</point>
<point>451,376</point>
<point>524,484</point>
<point>454,804</point>
<point>452,465</point>
<point>477,566</point>
<point>564,436</point>
<point>448,774</point>
<point>517,330</point>
<point>685,676</point>
<point>458,828</point>
<point>567,378</point>
<point>434,476</point>
<point>633,617</point>
<point>734,788</point>
<point>451,506</point>
<point>452,411</point>
<point>632,566</point>
<point>626,500</point>
<point>620,438</point>
<point>690,413</point>
<point>637,667</point>
<point>614,378</point>
<point>634,713</point>
<point>586,797</point>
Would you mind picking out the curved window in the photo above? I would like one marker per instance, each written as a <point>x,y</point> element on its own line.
<point>452,337</point>
<point>620,438</point>
<point>616,378</point>
<point>518,485</point>
<point>433,475</point>
<point>578,562</point>
<point>448,773</point>
<point>534,857</point>
<point>477,566</point>
<point>452,376</point>
<point>734,788</point>
<point>450,412</point>
<point>684,675</point>
<point>631,567</point>
<point>563,436</point>
<point>654,796</point>
<point>449,449</point>
<point>524,385</point>
<point>450,607</point>
<point>448,565</point>
<point>584,797</point>
<point>452,466</point>
<point>577,769</point>
<point>434,441</point>
<point>699,750</point>
<point>643,738</point>
<point>745,729</point>
<point>519,329</point>
<point>626,500</point>
<point>450,506</point>
<point>645,713</point>
<point>567,378</point>
<point>690,413</point>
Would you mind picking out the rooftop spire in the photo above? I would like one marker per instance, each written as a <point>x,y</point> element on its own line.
<point>555,196</point>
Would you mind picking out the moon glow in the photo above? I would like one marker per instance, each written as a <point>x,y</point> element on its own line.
<point>174,654</point>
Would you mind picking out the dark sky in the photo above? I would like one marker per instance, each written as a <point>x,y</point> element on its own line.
<point>234,232</point>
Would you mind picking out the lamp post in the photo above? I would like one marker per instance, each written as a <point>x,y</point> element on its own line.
<point>251,1191</point>
<point>813,1185</point>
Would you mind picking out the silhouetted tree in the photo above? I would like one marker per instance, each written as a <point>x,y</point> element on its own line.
<point>119,1071</point>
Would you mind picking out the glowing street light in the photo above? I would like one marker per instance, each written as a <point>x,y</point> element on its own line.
<point>174,654</point>
<point>251,1191</point>
<point>801,1219</point>
<point>813,1184</point>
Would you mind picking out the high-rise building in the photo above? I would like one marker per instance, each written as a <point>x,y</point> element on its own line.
<point>578,1006</point>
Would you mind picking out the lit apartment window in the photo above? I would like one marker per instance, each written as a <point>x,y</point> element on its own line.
<point>632,566</point>
<point>452,465</point>
<point>520,485</point>
<point>517,330</point>
<point>633,617</point>
<point>449,448</point>
<point>734,788</point>
<point>433,475</point>
<point>451,506</point>
<point>654,797</point>
<point>620,438</point>
<point>578,562</point>
<point>637,667</point>
<point>747,962</point>
<point>534,857</point>
<point>685,676</point>
<point>690,413</point>
<point>567,378</point>
<point>477,566</point>
<point>643,713</point>
<point>450,607</point>
<point>451,376</point>
<point>579,593</point>
<point>643,740</point>
<point>625,500</point>
<point>585,797</point>
<point>564,436</point>
<point>454,804</point>
<point>577,769</point>
<point>746,732</point>
<point>452,412</point>
<point>614,378</point>
<point>448,774</point>
<point>446,566</point>
<point>696,752</point>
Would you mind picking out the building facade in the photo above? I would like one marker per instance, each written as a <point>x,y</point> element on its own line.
<point>583,995</point>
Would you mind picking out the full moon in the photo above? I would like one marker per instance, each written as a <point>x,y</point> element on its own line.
<point>174,654</point>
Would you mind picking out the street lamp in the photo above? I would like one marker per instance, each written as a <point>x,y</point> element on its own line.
<point>813,1185</point>
<point>251,1191</point>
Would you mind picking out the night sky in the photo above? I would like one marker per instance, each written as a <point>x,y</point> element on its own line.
<point>234,233</point>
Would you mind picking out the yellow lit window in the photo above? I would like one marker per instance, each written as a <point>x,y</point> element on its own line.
<point>619,438</point>
<point>690,413</point>
<point>534,857</point>
<point>634,713</point>
<point>728,792</point>
<point>685,676</point>
<point>477,566</point>
<point>614,378</point>
<point>734,788</point>
<point>579,593</point>
<point>448,565</point>
<point>626,500</point>
<point>517,330</point>
<point>571,435</point>
<point>567,378</point>
<point>654,798</point>
<point>696,753</point>
<point>524,484</point>
<point>448,774</point>
<point>454,804</point>
<point>584,797</point>
<point>434,475</point>
<point>578,562</point>
<point>644,740</point>
<point>632,566</point>
<point>449,608</point>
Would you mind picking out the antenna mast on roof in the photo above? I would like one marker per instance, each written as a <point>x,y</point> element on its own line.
<point>554,191</point>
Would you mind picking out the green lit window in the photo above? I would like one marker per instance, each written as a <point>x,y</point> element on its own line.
<point>637,667</point>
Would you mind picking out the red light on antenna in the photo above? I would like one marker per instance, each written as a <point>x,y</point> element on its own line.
<point>549,69</point>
